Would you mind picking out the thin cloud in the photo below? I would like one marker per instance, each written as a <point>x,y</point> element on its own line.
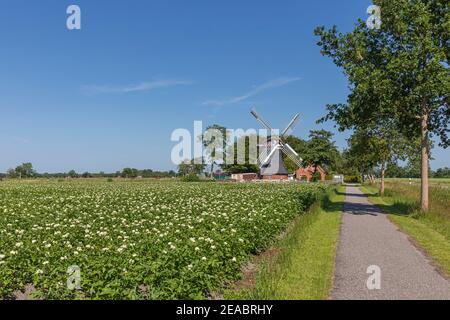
<point>280,82</point>
<point>141,87</point>
<point>21,139</point>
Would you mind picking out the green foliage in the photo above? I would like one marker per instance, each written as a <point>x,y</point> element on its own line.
<point>352,179</point>
<point>236,167</point>
<point>315,177</point>
<point>442,173</point>
<point>72,174</point>
<point>399,72</point>
<point>194,166</point>
<point>214,140</point>
<point>87,175</point>
<point>430,231</point>
<point>399,76</point>
<point>132,240</point>
<point>372,147</point>
<point>25,170</point>
<point>11,173</point>
<point>412,170</point>
<point>299,146</point>
<point>191,178</point>
<point>129,173</point>
<point>320,149</point>
<point>303,266</point>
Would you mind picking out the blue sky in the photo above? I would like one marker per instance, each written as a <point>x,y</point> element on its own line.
<point>109,95</point>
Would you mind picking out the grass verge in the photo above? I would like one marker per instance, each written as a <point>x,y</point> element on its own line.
<point>302,267</point>
<point>427,230</point>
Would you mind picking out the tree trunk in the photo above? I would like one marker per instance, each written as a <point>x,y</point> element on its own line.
<point>425,157</point>
<point>212,169</point>
<point>383,169</point>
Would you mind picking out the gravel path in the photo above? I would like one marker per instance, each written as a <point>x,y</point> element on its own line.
<point>369,238</point>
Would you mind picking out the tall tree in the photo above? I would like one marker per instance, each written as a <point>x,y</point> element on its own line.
<point>360,156</point>
<point>400,72</point>
<point>380,146</point>
<point>245,166</point>
<point>215,146</point>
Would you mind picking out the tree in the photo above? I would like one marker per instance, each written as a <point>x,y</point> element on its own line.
<point>393,170</point>
<point>191,167</point>
<point>25,170</point>
<point>400,72</point>
<point>72,174</point>
<point>380,146</point>
<point>215,148</point>
<point>184,168</point>
<point>87,175</point>
<point>11,173</point>
<point>360,156</point>
<point>246,166</point>
<point>442,173</point>
<point>320,149</point>
<point>129,173</point>
<point>147,173</point>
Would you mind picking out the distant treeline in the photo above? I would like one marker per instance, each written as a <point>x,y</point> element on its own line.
<point>395,171</point>
<point>26,170</point>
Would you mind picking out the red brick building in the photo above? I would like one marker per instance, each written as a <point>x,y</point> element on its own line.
<point>275,177</point>
<point>240,177</point>
<point>307,173</point>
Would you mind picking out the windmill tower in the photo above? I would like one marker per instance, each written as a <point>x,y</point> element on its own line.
<point>270,159</point>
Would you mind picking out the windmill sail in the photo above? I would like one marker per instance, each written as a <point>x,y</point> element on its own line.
<point>291,125</point>
<point>261,120</point>
<point>291,154</point>
<point>265,151</point>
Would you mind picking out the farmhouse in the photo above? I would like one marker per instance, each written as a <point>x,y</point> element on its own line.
<point>307,173</point>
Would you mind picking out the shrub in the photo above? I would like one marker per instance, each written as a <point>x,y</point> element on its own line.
<point>315,177</point>
<point>191,178</point>
<point>352,179</point>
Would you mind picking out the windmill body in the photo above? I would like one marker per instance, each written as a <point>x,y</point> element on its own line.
<point>270,159</point>
<point>275,167</point>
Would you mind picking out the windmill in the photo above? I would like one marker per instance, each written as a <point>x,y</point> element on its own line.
<point>270,159</point>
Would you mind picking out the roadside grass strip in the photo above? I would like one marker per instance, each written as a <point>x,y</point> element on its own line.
<point>303,267</point>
